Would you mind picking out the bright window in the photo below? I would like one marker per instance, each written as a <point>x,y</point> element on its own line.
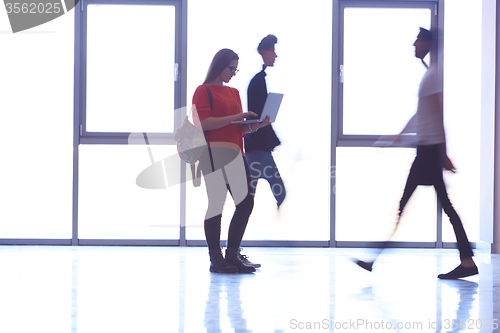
<point>130,68</point>
<point>36,131</point>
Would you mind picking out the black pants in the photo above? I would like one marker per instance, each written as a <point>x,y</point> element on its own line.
<point>226,170</point>
<point>427,170</point>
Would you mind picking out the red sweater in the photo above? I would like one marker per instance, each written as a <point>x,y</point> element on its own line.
<point>225,101</point>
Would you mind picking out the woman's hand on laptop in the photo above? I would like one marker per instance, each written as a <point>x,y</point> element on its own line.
<point>265,122</point>
<point>249,114</point>
<point>250,128</point>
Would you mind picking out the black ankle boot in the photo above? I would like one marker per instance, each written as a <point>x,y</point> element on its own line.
<point>232,258</point>
<point>245,260</point>
<point>218,264</point>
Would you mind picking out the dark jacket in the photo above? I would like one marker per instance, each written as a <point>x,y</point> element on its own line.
<point>265,138</point>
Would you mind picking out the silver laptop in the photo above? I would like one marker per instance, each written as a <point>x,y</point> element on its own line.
<point>271,107</point>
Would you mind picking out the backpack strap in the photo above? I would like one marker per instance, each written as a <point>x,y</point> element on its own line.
<point>196,170</point>
<point>209,96</point>
<point>196,175</point>
<point>210,101</point>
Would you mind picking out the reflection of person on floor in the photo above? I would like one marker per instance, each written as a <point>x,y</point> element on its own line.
<point>467,292</point>
<point>224,166</point>
<point>228,289</point>
<point>259,145</point>
<point>427,168</point>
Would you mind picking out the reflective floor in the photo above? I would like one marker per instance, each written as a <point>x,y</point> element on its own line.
<point>169,289</point>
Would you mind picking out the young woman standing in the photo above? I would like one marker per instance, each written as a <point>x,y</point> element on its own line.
<point>224,166</point>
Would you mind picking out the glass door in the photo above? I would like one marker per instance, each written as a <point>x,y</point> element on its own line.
<point>127,117</point>
<point>379,79</point>
<point>302,72</point>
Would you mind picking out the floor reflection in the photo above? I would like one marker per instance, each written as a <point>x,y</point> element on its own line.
<point>467,292</point>
<point>224,302</point>
<point>170,289</point>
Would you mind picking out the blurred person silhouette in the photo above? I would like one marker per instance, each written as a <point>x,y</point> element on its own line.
<point>223,165</point>
<point>431,159</point>
<point>259,145</point>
